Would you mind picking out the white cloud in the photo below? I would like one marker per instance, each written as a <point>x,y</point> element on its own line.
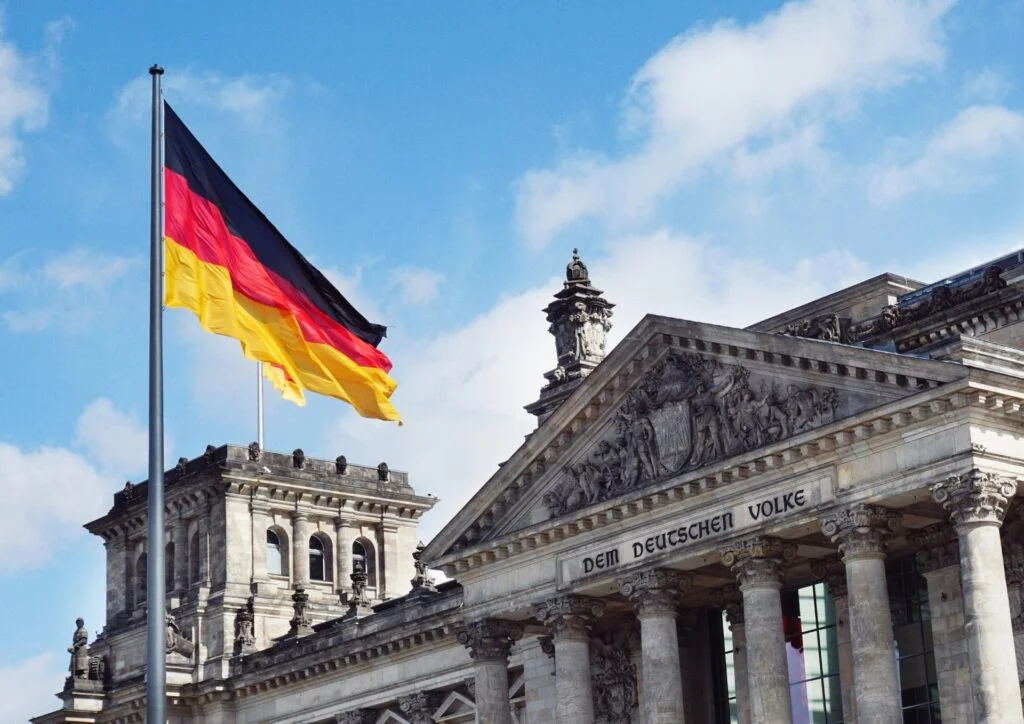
<point>26,82</point>
<point>69,287</point>
<point>85,268</point>
<point>986,85</point>
<point>63,487</point>
<point>461,393</point>
<point>714,92</point>
<point>951,159</point>
<point>249,98</point>
<point>416,285</point>
<point>114,439</point>
<point>28,688</point>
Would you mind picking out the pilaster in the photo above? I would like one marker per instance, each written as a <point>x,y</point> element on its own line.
<point>300,548</point>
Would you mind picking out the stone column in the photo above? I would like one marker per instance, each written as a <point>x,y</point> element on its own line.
<point>391,583</point>
<point>489,643</point>
<point>204,547</point>
<point>180,556</point>
<point>300,548</point>
<point>862,533</point>
<point>976,503</point>
<point>757,564</point>
<point>734,615</point>
<point>655,595</point>
<point>570,619</point>
<point>939,555</point>
<point>344,535</point>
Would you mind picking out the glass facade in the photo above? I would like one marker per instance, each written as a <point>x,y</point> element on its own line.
<point>809,623</point>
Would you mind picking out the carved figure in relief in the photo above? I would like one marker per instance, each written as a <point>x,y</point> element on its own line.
<point>616,699</point>
<point>688,411</point>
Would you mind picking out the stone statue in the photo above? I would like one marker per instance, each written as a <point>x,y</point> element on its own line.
<point>245,634</point>
<point>300,623</point>
<point>359,579</point>
<point>422,580</point>
<point>79,651</point>
<point>176,643</point>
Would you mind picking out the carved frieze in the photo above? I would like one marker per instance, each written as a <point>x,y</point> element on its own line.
<point>975,497</point>
<point>940,299</point>
<point>613,677</point>
<point>687,411</point>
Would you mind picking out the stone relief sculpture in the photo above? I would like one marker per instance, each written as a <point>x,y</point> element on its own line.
<point>613,677</point>
<point>176,643</point>
<point>688,411</point>
<point>938,300</point>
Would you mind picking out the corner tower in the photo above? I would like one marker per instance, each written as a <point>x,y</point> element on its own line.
<point>580,319</point>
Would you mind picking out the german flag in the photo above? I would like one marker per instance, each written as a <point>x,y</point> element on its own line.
<point>227,263</point>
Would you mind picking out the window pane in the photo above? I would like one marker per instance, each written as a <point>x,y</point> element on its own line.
<point>316,559</point>
<point>274,561</point>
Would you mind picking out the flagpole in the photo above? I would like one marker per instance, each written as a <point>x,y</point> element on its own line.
<point>156,606</point>
<point>259,404</point>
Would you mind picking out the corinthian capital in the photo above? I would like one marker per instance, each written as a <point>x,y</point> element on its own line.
<point>862,531</point>
<point>655,591</point>
<point>975,497</point>
<point>832,571</point>
<point>418,707</point>
<point>758,561</point>
<point>490,639</point>
<point>570,617</point>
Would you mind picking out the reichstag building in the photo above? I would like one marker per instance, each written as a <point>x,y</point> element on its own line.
<point>807,521</point>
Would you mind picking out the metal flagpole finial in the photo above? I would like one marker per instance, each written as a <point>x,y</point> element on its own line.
<point>155,70</point>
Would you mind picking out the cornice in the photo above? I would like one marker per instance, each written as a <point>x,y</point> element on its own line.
<point>652,339</point>
<point>770,461</point>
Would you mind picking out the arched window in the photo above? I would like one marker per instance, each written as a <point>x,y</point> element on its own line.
<point>275,559</point>
<point>316,559</point>
<point>195,567</point>
<point>140,579</point>
<point>362,551</point>
<point>169,567</point>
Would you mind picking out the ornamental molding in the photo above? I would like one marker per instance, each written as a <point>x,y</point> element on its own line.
<point>937,546</point>
<point>655,591</point>
<point>570,617</point>
<point>758,561</point>
<point>490,639</point>
<point>419,707</point>
<point>975,497</point>
<point>862,530</point>
<point>481,535</point>
<point>614,680</point>
<point>832,571</point>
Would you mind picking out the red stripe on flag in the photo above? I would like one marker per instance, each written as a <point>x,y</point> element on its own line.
<point>197,224</point>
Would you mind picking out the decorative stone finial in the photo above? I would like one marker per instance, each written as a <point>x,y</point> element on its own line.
<point>208,454</point>
<point>383,472</point>
<point>300,623</point>
<point>359,580</point>
<point>298,458</point>
<point>182,466</point>
<point>255,452</point>
<point>341,465</point>
<point>579,320</point>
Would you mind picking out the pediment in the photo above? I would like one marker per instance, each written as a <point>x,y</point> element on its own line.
<point>672,400</point>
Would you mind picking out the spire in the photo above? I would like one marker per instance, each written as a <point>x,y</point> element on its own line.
<point>580,319</point>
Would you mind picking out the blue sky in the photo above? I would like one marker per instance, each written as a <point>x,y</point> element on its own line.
<point>719,161</point>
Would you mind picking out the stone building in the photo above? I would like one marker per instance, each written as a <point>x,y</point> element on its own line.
<point>807,520</point>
